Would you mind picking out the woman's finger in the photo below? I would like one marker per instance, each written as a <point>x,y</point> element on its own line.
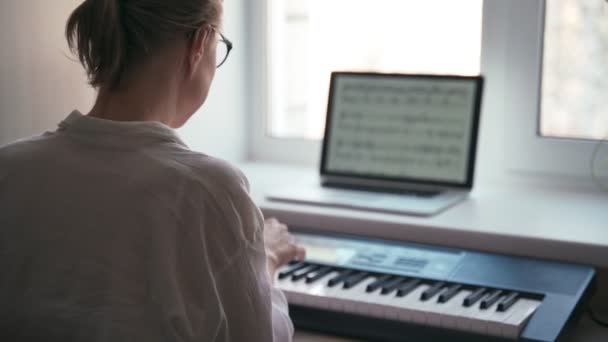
<point>300,252</point>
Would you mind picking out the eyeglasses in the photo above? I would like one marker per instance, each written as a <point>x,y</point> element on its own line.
<point>223,48</point>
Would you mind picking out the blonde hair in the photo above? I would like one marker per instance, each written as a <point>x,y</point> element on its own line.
<point>110,36</point>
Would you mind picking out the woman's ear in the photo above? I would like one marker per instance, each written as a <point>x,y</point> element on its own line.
<point>196,49</point>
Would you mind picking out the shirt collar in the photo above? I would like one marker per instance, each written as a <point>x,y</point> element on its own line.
<point>77,122</point>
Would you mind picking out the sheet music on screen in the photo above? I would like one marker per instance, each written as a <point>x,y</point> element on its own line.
<point>416,128</point>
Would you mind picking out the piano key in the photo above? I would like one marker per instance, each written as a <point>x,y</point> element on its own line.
<point>325,295</point>
<point>492,298</point>
<point>483,315</point>
<point>340,278</point>
<point>474,297</point>
<point>392,285</point>
<point>453,308</point>
<point>515,323</point>
<point>449,293</point>
<point>508,301</point>
<point>318,274</point>
<point>418,308</point>
<point>355,279</point>
<point>496,322</point>
<point>407,287</point>
<point>301,273</point>
<point>408,305</point>
<point>432,291</point>
<point>378,283</point>
<point>289,270</point>
<point>353,297</point>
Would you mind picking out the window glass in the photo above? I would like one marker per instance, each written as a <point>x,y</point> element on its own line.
<point>311,38</point>
<point>575,70</point>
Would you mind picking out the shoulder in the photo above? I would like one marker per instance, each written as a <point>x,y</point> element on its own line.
<point>24,149</point>
<point>223,191</point>
<point>213,172</point>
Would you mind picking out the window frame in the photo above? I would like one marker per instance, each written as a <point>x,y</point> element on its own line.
<point>523,88</point>
<point>511,61</point>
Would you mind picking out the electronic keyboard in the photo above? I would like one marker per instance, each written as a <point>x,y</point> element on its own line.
<point>395,291</point>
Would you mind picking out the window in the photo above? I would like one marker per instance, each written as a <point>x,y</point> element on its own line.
<point>311,38</point>
<point>575,70</point>
<point>293,38</point>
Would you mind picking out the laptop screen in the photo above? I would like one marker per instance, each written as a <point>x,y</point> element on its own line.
<point>412,128</point>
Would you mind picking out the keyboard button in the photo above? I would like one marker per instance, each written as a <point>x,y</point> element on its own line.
<point>409,304</point>
<point>318,274</point>
<point>492,298</point>
<point>378,283</point>
<point>301,273</point>
<point>288,271</point>
<point>449,293</point>
<point>351,297</point>
<point>508,301</point>
<point>451,314</point>
<point>483,316</point>
<point>340,278</point>
<point>407,287</point>
<point>515,323</point>
<point>474,297</point>
<point>392,285</point>
<point>432,291</point>
<point>355,279</point>
<point>325,295</point>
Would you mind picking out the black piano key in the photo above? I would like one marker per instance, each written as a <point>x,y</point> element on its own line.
<point>292,269</point>
<point>378,283</point>
<point>301,273</point>
<point>407,287</point>
<point>392,285</point>
<point>508,301</point>
<point>474,297</point>
<point>432,291</point>
<point>449,293</point>
<point>355,279</point>
<point>339,278</point>
<point>492,298</point>
<point>318,274</point>
<point>293,262</point>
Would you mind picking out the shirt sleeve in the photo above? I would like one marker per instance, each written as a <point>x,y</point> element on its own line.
<point>254,309</point>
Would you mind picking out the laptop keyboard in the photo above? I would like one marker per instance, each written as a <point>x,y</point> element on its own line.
<point>404,192</point>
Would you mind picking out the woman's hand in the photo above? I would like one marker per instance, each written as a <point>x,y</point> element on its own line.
<point>281,247</point>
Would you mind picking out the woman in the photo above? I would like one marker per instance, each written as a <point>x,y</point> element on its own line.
<point>111,229</point>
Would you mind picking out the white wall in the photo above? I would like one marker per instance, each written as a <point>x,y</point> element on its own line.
<point>220,127</point>
<point>40,85</point>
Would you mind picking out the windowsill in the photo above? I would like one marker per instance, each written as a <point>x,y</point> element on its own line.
<point>526,215</point>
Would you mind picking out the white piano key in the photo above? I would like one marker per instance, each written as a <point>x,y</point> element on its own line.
<point>479,323</point>
<point>466,317</point>
<point>514,324</point>
<point>409,306</point>
<point>496,321</point>
<point>449,318</point>
<point>383,305</point>
<point>354,298</point>
<point>324,296</point>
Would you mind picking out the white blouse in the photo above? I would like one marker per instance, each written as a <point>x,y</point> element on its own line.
<point>116,231</point>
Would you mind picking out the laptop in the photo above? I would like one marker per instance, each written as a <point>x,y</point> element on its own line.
<point>397,143</point>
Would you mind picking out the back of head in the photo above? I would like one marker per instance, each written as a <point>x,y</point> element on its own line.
<point>110,37</point>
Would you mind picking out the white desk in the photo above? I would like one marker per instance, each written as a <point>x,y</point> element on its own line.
<point>527,216</point>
